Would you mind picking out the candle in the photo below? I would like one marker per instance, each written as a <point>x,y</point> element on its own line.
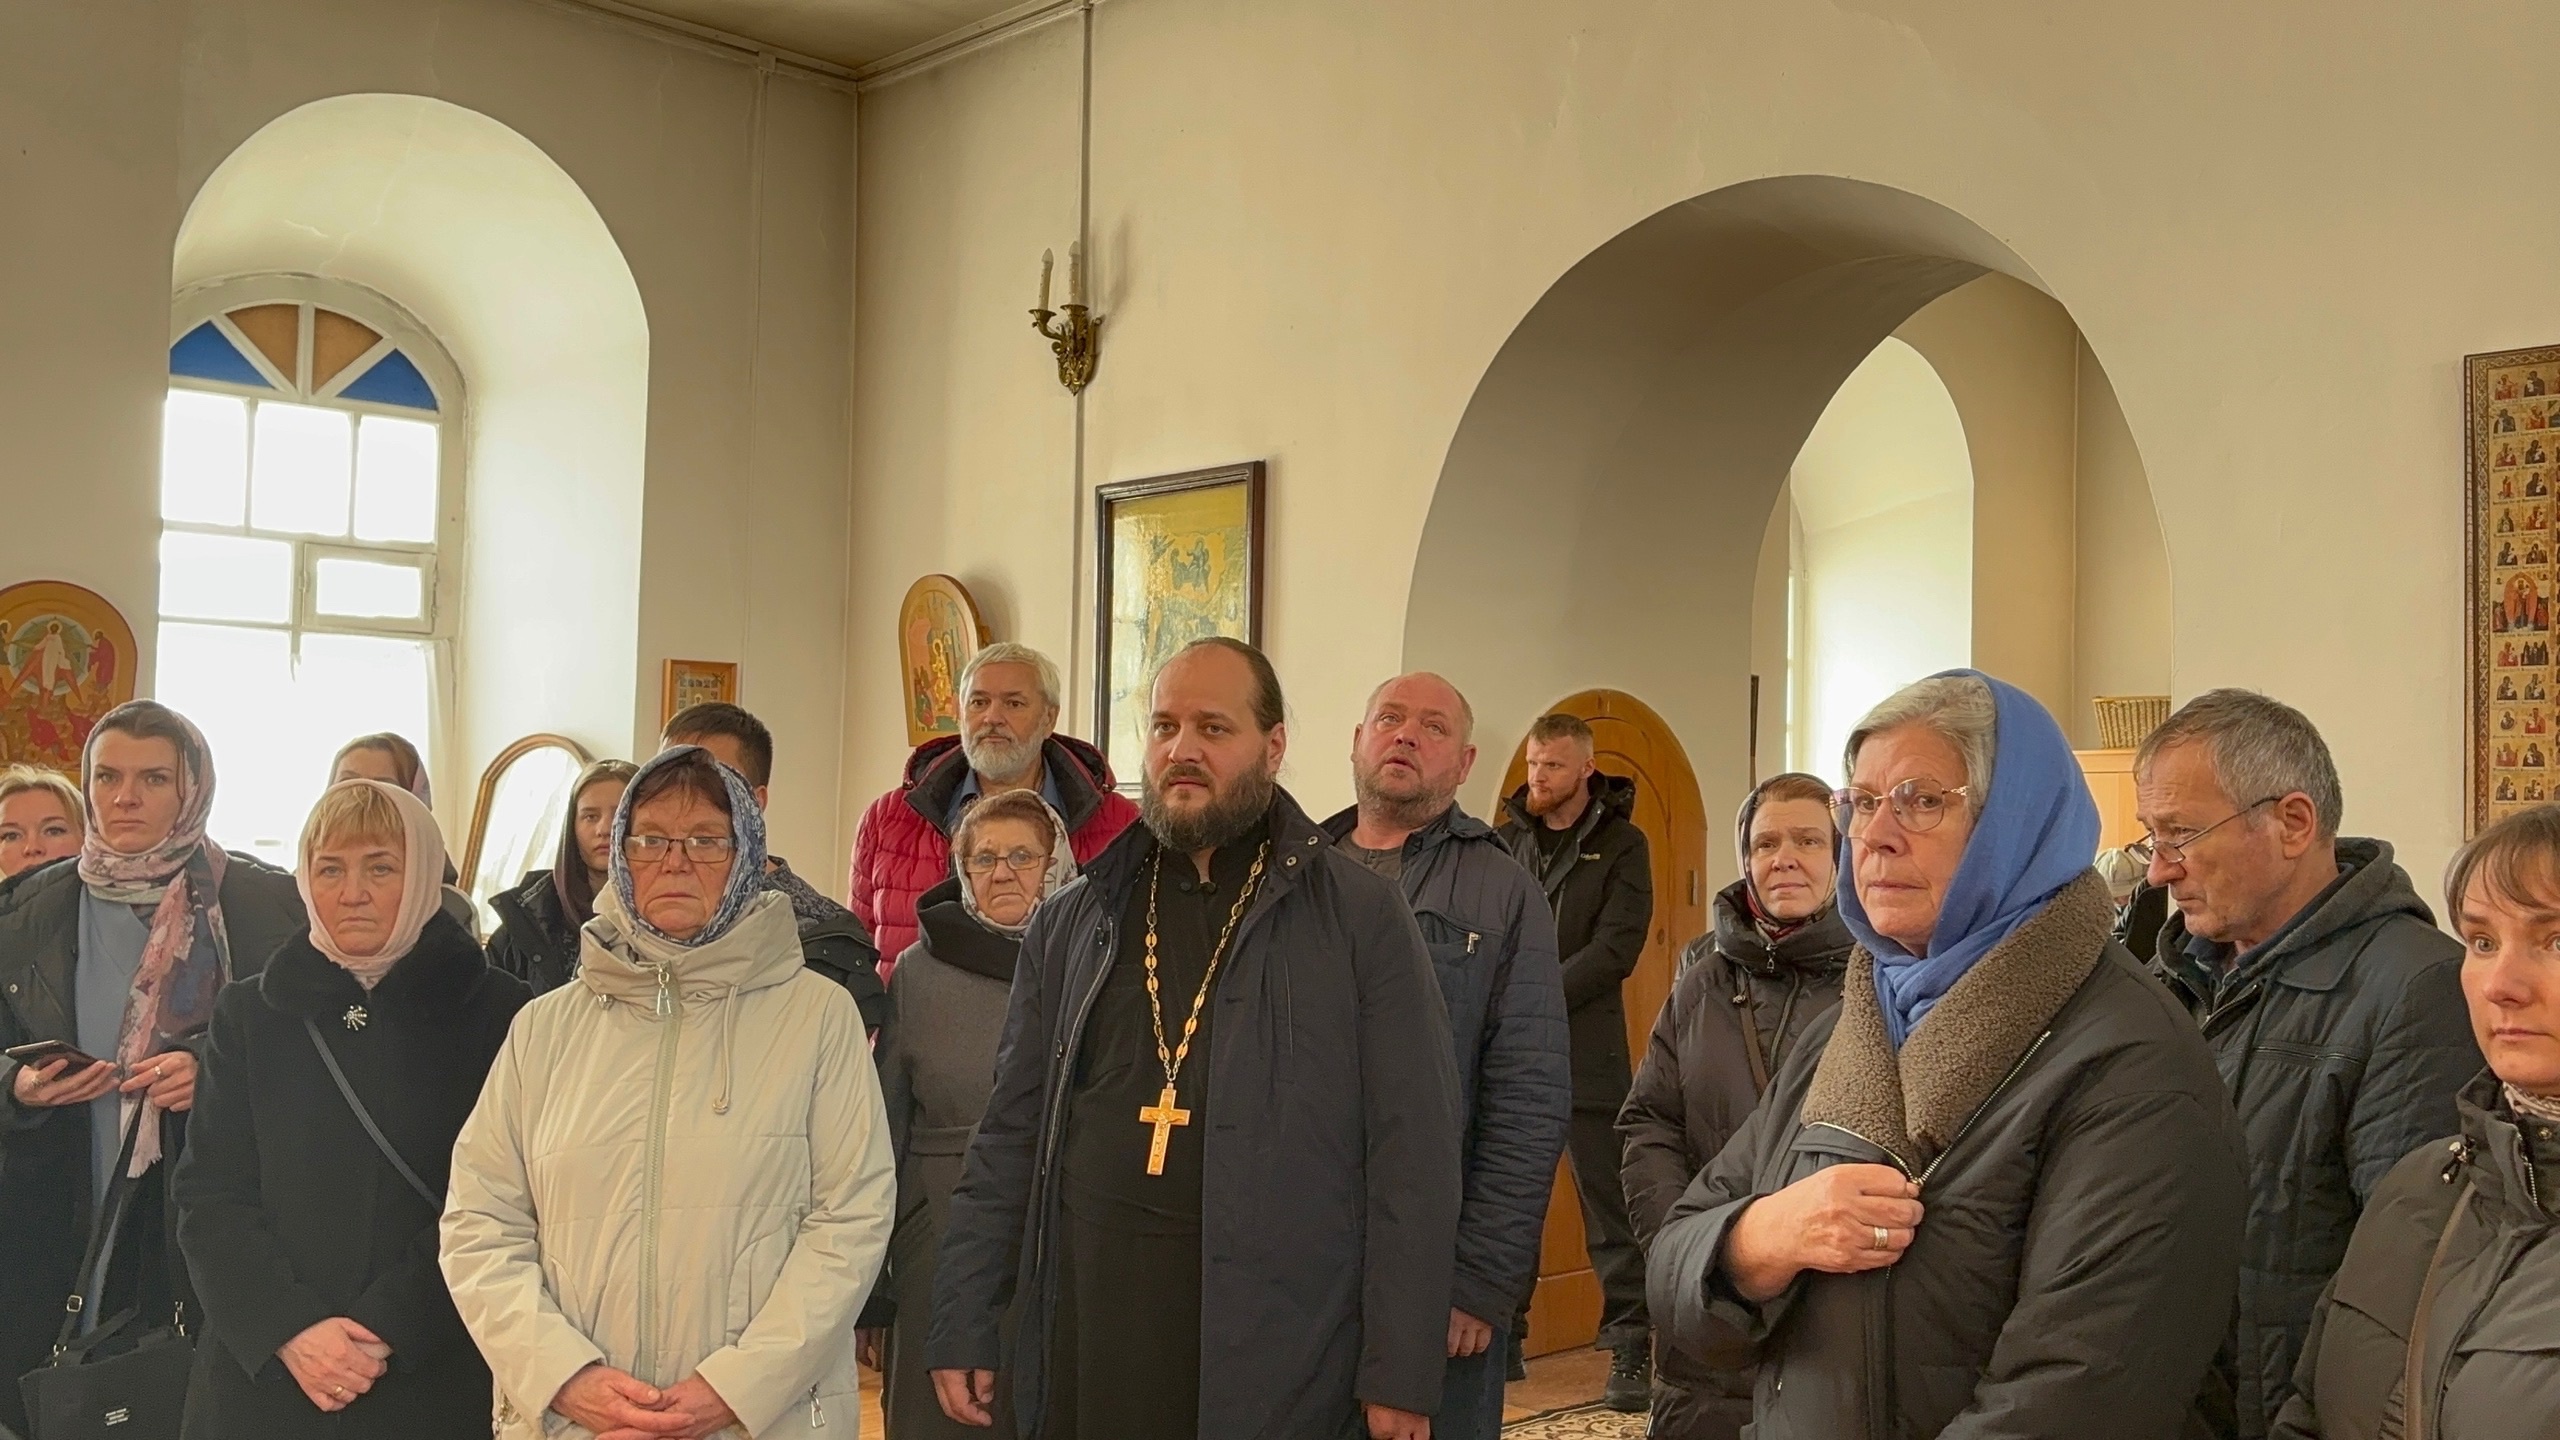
<point>1075,273</point>
<point>1047,260</point>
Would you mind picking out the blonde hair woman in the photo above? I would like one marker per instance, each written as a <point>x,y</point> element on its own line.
<point>41,819</point>
<point>308,1198</point>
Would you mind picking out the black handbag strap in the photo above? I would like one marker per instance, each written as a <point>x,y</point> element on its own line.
<point>105,1222</point>
<point>364,1117</point>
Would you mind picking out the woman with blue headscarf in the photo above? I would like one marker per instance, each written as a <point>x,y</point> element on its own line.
<point>1999,1191</point>
<point>676,1190</point>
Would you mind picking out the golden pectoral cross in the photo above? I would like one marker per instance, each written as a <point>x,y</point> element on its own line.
<point>1164,1117</point>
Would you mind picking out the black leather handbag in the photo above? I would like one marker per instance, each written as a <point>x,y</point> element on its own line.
<point>114,1383</point>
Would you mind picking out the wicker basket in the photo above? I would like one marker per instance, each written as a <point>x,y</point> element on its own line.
<point>2125,721</point>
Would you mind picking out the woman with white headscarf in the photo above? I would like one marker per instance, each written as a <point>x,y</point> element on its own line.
<point>947,1002</point>
<point>310,1224</point>
<point>676,1190</point>
<point>113,964</point>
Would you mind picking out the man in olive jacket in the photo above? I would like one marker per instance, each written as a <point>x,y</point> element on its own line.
<point>1493,950</point>
<point>2331,1002</point>
<point>1569,825</point>
<point>1291,1279</point>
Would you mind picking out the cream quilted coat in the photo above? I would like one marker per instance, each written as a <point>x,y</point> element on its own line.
<point>679,1164</point>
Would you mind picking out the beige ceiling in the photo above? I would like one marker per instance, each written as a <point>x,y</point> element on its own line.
<point>848,32</point>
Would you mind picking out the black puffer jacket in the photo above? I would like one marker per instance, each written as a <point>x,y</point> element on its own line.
<point>289,1213</point>
<point>2344,1041</point>
<point>2492,1362</point>
<point>1733,1020</point>
<point>1601,890</point>
<point>535,941</point>
<point>2082,1173</point>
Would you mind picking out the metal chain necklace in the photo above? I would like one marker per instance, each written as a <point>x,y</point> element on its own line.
<point>1162,1116</point>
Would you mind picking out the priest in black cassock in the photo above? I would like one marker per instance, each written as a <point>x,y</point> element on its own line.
<point>1220,1164</point>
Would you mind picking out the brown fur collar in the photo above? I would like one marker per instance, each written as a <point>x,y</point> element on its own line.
<point>1913,1104</point>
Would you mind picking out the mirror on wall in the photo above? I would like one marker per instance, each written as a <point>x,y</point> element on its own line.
<point>516,819</point>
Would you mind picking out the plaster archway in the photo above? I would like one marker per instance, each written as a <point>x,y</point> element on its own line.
<point>1601,510</point>
<point>496,249</point>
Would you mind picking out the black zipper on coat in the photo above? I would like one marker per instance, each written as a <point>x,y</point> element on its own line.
<point>1882,1392</point>
<point>1068,1050</point>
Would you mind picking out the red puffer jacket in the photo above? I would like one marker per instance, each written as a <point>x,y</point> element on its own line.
<point>900,849</point>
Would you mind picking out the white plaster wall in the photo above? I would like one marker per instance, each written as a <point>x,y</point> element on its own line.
<point>1319,220</point>
<point>2008,357</point>
<point>2123,632</point>
<point>125,108</point>
<point>1887,496</point>
<point>88,102</point>
<point>1773,583</point>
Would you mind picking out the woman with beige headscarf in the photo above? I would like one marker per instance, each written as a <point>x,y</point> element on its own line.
<point>325,1119</point>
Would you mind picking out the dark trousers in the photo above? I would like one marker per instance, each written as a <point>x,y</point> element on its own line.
<point>1617,1261</point>
<point>1616,1258</point>
<point>1471,1394</point>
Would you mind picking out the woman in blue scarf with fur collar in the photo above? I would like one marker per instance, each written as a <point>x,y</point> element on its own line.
<point>1999,1192</point>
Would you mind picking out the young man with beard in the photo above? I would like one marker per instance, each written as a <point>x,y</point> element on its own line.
<point>1493,948</point>
<point>1008,740</point>
<point>1568,824</point>
<point>1220,1163</point>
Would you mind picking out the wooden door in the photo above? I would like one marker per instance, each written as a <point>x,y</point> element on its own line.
<point>1629,739</point>
<point>2110,777</point>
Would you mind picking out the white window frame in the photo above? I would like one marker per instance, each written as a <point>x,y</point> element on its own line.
<point>212,300</point>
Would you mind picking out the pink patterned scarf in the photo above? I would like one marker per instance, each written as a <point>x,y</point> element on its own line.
<point>187,955</point>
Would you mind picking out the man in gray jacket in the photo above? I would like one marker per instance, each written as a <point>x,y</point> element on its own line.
<point>1493,949</point>
<point>2332,1003</point>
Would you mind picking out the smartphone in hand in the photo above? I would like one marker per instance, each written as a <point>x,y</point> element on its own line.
<point>45,1052</point>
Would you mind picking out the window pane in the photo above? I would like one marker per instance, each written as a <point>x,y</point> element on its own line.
<point>274,723</point>
<point>225,577</point>
<point>299,470</point>
<point>231,681</point>
<point>204,458</point>
<point>395,480</point>
<point>368,589</point>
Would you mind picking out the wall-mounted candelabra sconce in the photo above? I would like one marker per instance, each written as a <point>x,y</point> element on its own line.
<point>1076,336</point>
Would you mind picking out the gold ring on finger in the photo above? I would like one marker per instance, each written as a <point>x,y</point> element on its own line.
<point>1884,1238</point>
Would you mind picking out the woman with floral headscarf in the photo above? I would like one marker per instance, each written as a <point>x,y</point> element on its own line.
<point>1009,854</point>
<point>312,1245</point>
<point>676,1190</point>
<point>118,958</point>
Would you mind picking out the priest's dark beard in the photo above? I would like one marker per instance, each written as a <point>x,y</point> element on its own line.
<point>1235,813</point>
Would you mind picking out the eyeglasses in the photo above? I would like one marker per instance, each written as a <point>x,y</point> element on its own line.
<point>2175,851</point>
<point>700,849</point>
<point>1917,805</point>
<point>986,861</point>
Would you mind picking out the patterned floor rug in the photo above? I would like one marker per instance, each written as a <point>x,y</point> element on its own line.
<point>1588,1422</point>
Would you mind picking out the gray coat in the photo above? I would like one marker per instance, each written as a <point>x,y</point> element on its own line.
<point>2344,1040</point>
<point>1493,949</point>
<point>937,1063</point>
<point>1330,1192</point>
<point>2081,1171</point>
<point>2492,1364</point>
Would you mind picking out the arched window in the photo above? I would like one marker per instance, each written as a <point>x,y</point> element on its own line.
<point>309,486</point>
